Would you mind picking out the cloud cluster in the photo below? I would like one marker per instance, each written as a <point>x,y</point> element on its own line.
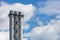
<point>50,8</point>
<point>4,35</point>
<point>52,30</point>
<point>27,10</point>
<point>48,32</point>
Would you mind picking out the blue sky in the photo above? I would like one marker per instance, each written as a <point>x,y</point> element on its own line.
<point>40,15</point>
<point>24,1</point>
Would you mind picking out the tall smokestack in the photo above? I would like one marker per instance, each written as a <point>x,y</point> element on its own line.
<point>15,25</point>
<point>11,20</point>
<point>19,24</point>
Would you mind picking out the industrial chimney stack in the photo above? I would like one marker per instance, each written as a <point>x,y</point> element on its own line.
<point>15,25</point>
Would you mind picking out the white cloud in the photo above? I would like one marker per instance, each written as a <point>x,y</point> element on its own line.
<point>26,35</point>
<point>27,10</point>
<point>4,35</point>
<point>43,33</point>
<point>58,17</point>
<point>52,30</point>
<point>48,32</point>
<point>51,7</point>
<point>39,22</point>
<point>25,26</point>
<point>24,39</point>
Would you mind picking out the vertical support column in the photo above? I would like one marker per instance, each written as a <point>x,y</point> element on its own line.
<point>19,24</point>
<point>15,25</point>
<point>11,20</point>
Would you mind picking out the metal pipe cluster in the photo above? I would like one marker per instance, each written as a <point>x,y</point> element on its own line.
<point>15,25</point>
